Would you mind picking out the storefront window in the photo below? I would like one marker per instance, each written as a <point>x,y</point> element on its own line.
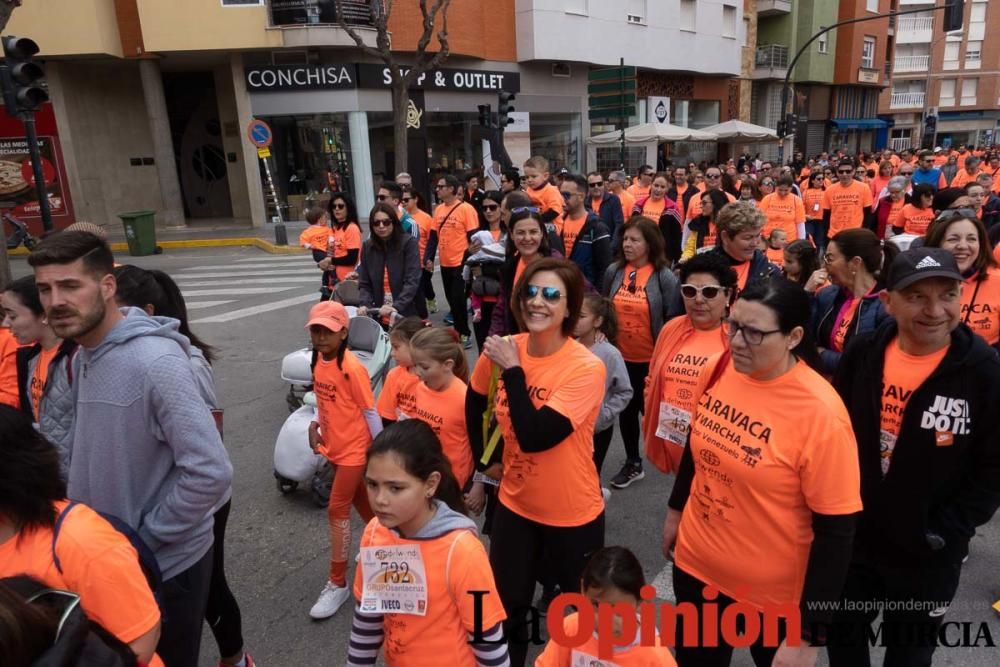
<point>556,136</point>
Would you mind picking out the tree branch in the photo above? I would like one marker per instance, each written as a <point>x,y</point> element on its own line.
<point>383,54</point>
<point>423,61</point>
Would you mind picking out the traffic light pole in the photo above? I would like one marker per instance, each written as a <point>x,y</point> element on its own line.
<point>791,66</point>
<point>624,121</point>
<point>36,168</point>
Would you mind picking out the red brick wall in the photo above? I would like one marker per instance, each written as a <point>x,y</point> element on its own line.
<point>129,28</point>
<point>475,28</point>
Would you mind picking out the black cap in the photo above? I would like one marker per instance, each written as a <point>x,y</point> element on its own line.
<point>919,263</point>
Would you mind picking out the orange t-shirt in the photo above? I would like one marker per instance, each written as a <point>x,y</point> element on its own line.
<point>340,242</point>
<point>983,313</point>
<point>915,220</point>
<point>628,203</point>
<point>453,231</point>
<point>760,472</point>
<point>547,198</point>
<point>695,208</point>
<point>963,177</point>
<point>585,655</point>
<point>315,237</point>
<point>783,213</point>
<point>846,205</point>
<point>98,563</point>
<point>9,394</point>
<point>635,338</point>
<point>41,375</point>
<point>679,382</point>
<point>742,275</point>
<point>560,486</point>
<point>654,209</point>
<point>638,191</point>
<point>425,223</point>
<point>454,564</point>
<point>895,210</point>
<point>444,412</point>
<point>902,375</point>
<point>595,205</point>
<point>341,396</point>
<point>397,398</point>
<point>518,270</point>
<point>569,229</point>
<point>843,323</point>
<point>681,189</point>
<point>775,255</point>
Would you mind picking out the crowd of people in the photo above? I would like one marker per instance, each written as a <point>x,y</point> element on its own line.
<point>810,351</point>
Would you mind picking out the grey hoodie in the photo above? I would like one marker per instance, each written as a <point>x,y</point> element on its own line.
<point>145,446</point>
<point>444,521</point>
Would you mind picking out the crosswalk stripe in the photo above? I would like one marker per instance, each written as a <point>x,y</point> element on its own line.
<point>304,257</point>
<point>242,267</point>
<point>255,310</point>
<point>198,305</point>
<point>251,281</point>
<point>235,291</point>
<point>247,274</point>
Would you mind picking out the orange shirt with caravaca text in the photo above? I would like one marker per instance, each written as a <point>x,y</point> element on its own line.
<point>426,224</point>
<point>315,237</point>
<point>444,412</point>
<point>547,198</point>
<point>653,209</point>
<point>453,231</point>
<point>679,382</point>
<point>453,564</point>
<point>341,396</point>
<point>901,376</point>
<point>783,213</point>
<point>760,471</point>
<point>628,203</point>
<point>635,337</point>
<point>569,230</point>
<point>98,563</point>
<point>812,202</point>
<point>38,380</point>
<point>915,220</point>
<point>586,655</point>
<point>397,398</point>
<point>981,305</point>
<point>846,205</point>
<point>560,486</point>
<point>638,191</point>
<point>340,242</point>
<point>9,394</point>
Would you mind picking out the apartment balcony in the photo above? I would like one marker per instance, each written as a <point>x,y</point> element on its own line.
<point>914,3</point>
<point>770,62</point>
<point>913,100</point>
<point>767,8</point>
<point>310,23</point>
<point>914,29</point>
<point>904,64</point>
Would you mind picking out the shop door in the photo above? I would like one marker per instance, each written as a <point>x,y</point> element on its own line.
<point>197,133</point>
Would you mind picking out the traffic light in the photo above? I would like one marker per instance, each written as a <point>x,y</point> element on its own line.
<point>504,108</point>
<point>24,86</point>
<point>791,123</point>
<point>485,111</point>
<point>953,15</point>
<point>781,129</point>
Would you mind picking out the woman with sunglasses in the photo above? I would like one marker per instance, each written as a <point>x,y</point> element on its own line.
<point>683,350</point>
<point>889,209</point>
<point>642,289</point>
<point>389,271</point>
<point>664,212</point>
<point>916,216</point>
<point>486,276</point>
<point>764,505</point>
<point>853,263</point>
<point>542,385</point>
<point>345,239</point>
<point>960,232</point>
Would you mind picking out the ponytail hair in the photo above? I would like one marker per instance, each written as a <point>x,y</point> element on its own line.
<point>442,345</point>
<point>419,452</point>
<point>404,329</point>
<point>601,306</point>
<point>791,306</point>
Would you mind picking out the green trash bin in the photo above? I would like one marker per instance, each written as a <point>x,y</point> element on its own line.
<point>140,232</point>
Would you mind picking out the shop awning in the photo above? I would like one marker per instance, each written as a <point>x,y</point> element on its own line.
<point>858,123</point>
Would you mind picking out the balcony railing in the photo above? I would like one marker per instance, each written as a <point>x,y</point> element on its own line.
<point>314,12</point>
<point>911,63</point>
<point>773,56</point>
<point>908,24</point>
<point>767,8</point>
<point>907,100</point>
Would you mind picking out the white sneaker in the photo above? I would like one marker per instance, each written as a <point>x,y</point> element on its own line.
<point>606,492</point>
<point>330,600</point>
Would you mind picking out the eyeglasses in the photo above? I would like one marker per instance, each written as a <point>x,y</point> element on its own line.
<point>490,207</point>
<point>596,184</point>
<point>829,259</point>
<point>631,282</point>
<point>648,173</point>
<point>767,184</point>
<point>568,195</point>
<point>713,175</point>
<point>906,173</point>
<point>382,197</point>
<point>381,222</point>
<point>549,294</point>
<point>406,199</point>
<point>524,209</point>
<point>845,171</point>
<point>339,206</point>
<point>751,335</point>
<point>440,185</point>
<point>954,214</point>
<point>689,291</point>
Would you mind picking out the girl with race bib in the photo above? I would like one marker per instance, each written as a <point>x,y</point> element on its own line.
<point>424,586</point>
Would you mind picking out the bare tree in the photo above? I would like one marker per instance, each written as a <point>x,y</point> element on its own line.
<point>423,60</point>
<point>6,9</point>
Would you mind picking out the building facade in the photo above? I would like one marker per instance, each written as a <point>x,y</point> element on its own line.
<point>953,77</point>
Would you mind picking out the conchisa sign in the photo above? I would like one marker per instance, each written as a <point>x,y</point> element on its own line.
<point>275,78</point>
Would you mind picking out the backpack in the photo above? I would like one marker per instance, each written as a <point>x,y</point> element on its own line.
<point>485,278</point>
<point>147,561</point>
<point>79,641</point>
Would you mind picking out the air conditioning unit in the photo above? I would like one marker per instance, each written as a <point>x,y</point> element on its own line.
<point>561,70</point>
<point>634,18</point>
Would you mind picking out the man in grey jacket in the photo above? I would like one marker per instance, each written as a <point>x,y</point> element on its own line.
<point>145,447</point>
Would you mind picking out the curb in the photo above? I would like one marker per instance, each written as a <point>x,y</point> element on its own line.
<point>261,244</point>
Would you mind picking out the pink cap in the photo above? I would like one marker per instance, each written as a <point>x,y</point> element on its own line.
<point>329,314</point>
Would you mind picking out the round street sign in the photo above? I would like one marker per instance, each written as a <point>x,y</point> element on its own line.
<point>259,133</point>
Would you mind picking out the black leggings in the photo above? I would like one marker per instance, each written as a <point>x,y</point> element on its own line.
<point>426,290</point>
<point>223,612</point>
<point>454,291</point>
<point>519,551</point>
<point>628,420</point>
<point>689,589</point>
<point>482,327</point>
<point>602,440</point>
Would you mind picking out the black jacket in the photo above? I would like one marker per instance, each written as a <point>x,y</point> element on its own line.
<point>591,250</point>
<point>403,265</point>
<point>611,212</point>
<point>945,490</point>
<point>685,199</point>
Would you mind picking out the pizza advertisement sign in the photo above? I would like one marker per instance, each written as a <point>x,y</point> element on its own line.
<point>17,180</point>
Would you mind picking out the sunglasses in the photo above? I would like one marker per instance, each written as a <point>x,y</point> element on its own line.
<point>954,214</point>
<point>596,184</point>
<point>406,199</point>
<point>381,222</point>
<point>340,206</point>
<point>845,171</point>
<point>382,197</point>
<point>708,291</point>
<point>524,209</point>
<point>713,175</point>
<point>631,282</point>
<point>648,173</point>
<point>490,207</point>
<point>440,185</point>
<point>549,294</point>
<point>906,173</point>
